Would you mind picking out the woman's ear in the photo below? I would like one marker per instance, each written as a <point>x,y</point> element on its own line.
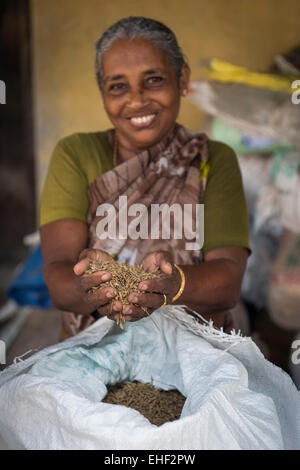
<point>184,79</point>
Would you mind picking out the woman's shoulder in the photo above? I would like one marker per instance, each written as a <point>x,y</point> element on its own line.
<point>89,152</point>
<point>218,150</point>
<point>221,157</point>
<point>84,140</point>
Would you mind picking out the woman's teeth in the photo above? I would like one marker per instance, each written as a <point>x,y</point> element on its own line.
<point>142,120</point>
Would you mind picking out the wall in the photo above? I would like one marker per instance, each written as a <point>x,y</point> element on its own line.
<point>66,99</point>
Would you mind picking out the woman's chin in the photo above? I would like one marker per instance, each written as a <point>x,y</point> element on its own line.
<point>144,144</point>
<point>145,138</point>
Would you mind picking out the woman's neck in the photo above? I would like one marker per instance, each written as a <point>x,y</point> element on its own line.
<point>125,152</point>
<point>124,149</point>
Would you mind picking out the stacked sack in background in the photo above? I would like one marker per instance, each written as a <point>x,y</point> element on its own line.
<point>271,180</point>
<point>254,113</point>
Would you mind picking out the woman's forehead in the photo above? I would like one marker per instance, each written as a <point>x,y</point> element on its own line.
<point>137,54</point>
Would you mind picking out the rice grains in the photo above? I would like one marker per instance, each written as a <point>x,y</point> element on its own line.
<point>158,406</point>
<point>124,279</point>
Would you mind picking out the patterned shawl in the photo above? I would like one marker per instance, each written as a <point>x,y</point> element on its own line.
<point>167,173</point>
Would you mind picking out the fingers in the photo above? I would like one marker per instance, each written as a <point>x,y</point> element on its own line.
<point>111,310</point>
<point>100,297</point>
<point>88,255</point>
<point>158,259</point>
<point>134,313</point>
<point>87,281</point>
<point>152,301</point>
<point>166,267</point>
<point>130,312</point>
<point>149,263</point>
<point>164,262</point>
<point>95,255</point>
<point>158,286</point>
<point>168,284</point>
<point>81,266</point>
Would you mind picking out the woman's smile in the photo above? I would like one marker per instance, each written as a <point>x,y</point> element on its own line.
<point>142,122</point>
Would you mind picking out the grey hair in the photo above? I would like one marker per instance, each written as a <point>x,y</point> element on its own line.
<point>137,26</point>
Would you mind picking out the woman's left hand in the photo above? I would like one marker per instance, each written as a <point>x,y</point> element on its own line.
<point>153,290</point>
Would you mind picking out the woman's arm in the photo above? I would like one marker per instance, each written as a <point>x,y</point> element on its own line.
<point>63,243</point>
<point>214,286</point>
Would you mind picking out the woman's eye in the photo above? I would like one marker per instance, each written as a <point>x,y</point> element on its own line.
<point>155,80</point>
<point>117,87</point>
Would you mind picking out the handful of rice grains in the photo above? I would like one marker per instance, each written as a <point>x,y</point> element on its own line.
<point>158,406</point>
<point>124,279</point>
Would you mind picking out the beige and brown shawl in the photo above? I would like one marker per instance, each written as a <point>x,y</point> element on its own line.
<point>167,173</point>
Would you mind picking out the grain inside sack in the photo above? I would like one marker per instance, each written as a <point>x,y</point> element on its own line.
<point>158,406</point>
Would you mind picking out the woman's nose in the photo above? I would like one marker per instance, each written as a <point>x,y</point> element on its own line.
<point>136,98</point>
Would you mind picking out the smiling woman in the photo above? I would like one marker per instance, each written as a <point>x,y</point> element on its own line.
<point>141,93</point>
<point>150,159</point>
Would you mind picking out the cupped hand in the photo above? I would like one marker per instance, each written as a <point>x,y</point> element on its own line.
<point>152,296</point>
<point>100,299</point>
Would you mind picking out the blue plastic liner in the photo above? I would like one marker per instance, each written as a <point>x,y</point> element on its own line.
<point>28,288</point>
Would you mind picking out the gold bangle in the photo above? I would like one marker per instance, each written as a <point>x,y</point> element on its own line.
<point>165,300</point>
<point>181,289</point>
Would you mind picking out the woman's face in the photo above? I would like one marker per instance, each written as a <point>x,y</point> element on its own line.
<point>140,92</point>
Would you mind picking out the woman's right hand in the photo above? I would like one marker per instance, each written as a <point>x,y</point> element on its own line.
<point>84,282</point>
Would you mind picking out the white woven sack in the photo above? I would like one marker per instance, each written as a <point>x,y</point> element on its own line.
<point>235,398</point>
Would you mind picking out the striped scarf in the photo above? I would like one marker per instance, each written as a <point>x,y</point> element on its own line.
<point>167,173</point>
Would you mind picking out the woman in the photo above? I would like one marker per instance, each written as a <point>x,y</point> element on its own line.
<point>150,159</point>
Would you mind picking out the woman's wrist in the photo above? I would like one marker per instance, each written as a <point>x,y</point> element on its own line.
<point>182,283</point>
<point>187,286</point>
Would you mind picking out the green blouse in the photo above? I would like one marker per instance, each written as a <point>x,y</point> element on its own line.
<point>80,158</point>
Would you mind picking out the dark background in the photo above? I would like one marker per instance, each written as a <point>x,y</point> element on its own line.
<point>17,183</point>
